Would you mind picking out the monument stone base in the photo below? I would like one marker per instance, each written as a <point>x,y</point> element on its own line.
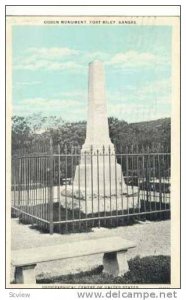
<point>74,199</point>
<point>98,172</point>
<point>103,181</point>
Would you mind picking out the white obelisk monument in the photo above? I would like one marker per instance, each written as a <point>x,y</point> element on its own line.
<point>98,171</point>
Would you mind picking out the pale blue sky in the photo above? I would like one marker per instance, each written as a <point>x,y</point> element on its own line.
<point>50,70</point>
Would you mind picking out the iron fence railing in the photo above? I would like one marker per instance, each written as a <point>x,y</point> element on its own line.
<point>68,190</point>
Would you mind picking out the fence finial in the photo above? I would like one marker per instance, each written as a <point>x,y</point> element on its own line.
<point>103,149</point>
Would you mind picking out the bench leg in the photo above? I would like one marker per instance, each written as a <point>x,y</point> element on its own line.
<point>115,263</point>
<point>25,274</point>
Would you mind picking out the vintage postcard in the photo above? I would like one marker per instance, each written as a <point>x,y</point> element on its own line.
<point>93,166</point>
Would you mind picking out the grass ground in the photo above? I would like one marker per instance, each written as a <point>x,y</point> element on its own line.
<point>146,270</point>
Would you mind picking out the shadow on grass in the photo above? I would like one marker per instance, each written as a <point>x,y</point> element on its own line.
<point>146,270</point>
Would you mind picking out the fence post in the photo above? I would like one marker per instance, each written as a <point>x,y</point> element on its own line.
<point>50,194</point>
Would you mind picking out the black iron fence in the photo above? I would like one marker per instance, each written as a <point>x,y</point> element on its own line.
<point>71,189</point>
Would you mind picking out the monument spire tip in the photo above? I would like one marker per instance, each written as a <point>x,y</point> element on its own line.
<point>96,61</point>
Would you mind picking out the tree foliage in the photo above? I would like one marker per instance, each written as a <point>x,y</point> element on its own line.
<point>39,129</point>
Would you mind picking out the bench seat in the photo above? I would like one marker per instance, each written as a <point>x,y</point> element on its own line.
<point>113,248</point>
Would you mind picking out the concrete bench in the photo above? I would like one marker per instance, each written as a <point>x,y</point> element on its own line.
<point>113,249</point>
